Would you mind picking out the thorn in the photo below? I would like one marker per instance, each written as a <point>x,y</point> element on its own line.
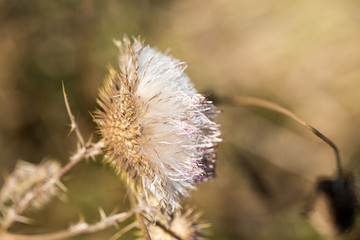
<point>116,225</point>
<point>74,126</point>
<point>123,231</point>
<point>102,214</point>
<point>93,157</point>
<point>89,142</point>
<point>114,211</point>
<point>23,219</point>
<point>92,115</point>
<point>60,185</point>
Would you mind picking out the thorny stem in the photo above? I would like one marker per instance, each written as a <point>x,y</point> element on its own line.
<point>73,125</point>
<point>252,101</point>
<point>84,151</point>
<point>139,218</point>
<point>81,228</point>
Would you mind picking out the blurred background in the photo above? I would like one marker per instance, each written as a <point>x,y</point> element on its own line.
<point>302,54</point>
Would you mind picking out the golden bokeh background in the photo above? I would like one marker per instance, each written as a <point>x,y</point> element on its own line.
<point>302,54</point>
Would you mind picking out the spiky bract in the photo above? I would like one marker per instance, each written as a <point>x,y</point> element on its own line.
<point>181,224</point>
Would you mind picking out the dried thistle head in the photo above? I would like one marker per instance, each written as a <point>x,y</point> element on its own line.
<point>181,224</point>
<point>24,181</point>
<point>159,132</point>
<point>335,205</point>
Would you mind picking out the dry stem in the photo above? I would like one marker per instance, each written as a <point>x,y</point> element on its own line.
<point>139,218</point>
<point>124,230</point>
<point>78,229</point>
<point>251,101</point>
<point>73,125</point>
<point>84,151</point>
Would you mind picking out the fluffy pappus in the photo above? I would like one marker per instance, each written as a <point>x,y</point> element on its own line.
<point>159,131</point>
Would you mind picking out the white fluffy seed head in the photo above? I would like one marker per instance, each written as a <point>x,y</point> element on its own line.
<point>160,133</point>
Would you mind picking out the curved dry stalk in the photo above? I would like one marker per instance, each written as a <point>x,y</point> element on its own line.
<point>81,228</point>
<point>139,218</point>
<point>257,102</point>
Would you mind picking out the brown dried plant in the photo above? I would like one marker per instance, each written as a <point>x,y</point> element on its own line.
<point>159,134</point>
<point>31,187</point>
<point>334,205</point>
<point>156,131</point>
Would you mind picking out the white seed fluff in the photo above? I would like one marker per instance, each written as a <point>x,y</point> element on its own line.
<point>176,133</point>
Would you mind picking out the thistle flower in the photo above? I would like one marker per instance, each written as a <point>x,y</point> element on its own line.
<point>181,224</point>
<point>159,132</point>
